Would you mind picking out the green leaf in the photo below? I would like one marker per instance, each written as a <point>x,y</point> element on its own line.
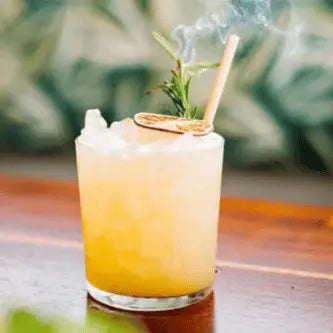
<point>202,65</point>
<point>187,86</point>
<point>97,321</point>
<point>165,44</point>
<point>195,112</point>
<point>23,321</point>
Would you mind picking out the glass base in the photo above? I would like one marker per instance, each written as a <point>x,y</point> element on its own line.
<point>146,303</point>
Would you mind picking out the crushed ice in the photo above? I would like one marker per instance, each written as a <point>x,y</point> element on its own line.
<point>126,135</point>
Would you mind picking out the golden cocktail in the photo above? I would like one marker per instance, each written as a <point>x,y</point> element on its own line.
<point>149,208</point>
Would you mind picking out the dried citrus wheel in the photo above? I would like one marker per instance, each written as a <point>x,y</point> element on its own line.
<point>172,124</point>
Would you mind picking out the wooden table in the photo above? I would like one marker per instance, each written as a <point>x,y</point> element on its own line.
<point>275,263</point>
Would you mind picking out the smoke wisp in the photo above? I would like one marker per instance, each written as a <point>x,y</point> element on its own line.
<point>224,17</point>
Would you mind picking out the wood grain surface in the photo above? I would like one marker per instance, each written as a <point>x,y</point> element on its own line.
<point>275,264</point>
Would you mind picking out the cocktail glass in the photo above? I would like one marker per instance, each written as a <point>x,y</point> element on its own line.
<point>149,209</point>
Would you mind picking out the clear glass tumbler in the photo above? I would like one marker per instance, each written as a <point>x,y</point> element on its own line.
<point>150,223</point>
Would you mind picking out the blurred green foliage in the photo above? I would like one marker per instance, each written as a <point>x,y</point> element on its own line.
<point>22,321</point>
<point>60,57</point>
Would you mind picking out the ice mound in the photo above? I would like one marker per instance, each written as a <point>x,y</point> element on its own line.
<point>97,135</point>
<point>125,135</point>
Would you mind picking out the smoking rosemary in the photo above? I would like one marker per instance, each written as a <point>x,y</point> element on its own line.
<point>178,87</point>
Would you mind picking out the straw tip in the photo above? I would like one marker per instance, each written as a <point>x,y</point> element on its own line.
<point>234,38</point>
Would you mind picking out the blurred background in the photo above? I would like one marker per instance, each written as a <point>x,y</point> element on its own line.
<point>58,58</point>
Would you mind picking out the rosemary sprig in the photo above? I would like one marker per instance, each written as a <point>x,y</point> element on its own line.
<point>178,87</point>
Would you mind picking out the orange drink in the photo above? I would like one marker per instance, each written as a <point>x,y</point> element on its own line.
<point>149,209</point>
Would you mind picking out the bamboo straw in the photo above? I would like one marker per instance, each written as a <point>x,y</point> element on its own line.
<point>221,79</point>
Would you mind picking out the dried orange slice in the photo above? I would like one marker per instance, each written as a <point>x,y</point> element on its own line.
<point>172,124</point>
